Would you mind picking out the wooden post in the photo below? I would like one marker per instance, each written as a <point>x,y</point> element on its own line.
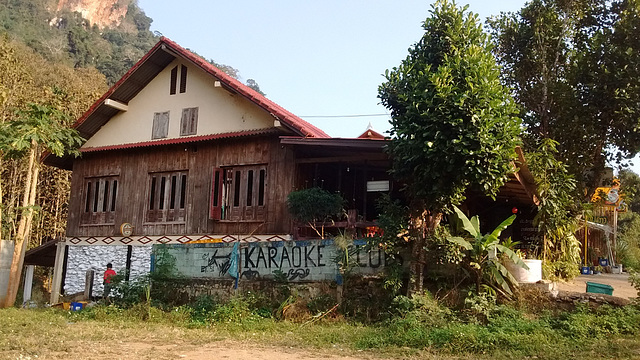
<point>585,240</point>
<point>365,174</point>
<point>57,273</point>
<point>352,218</point>
<point>88,284</point>
<point>615,235</point>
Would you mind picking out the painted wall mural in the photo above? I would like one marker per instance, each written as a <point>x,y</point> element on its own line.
<point>308,260</point>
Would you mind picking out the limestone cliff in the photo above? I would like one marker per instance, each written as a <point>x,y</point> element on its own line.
<point>104,13</point>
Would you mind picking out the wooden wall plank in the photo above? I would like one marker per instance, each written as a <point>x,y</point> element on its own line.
<point>134,165</point>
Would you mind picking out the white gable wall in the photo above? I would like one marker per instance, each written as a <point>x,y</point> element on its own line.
<point>219,111</point>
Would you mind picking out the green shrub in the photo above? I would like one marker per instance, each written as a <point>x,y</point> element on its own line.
<point>421,308</point>
<point>584,323</point>
<point>479,306</point>
<point>634,279</point>
<point>314,204</point>
<point>101,313</point>
<point>235,310</point>
<point>560,270</point>
<point>321,303</point>
<point>628,241</point>
<point>207,309</point>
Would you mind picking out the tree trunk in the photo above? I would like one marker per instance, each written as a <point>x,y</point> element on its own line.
<point>423,226</point>
<point>1,197</point>
<point>28,201</point>
<point>416,268</point>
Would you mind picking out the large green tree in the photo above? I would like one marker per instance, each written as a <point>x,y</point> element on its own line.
<point>37,129</point>
<point>33,197</point>
<point>453,123</point>
<point>574,67</point>
<point>630,188</point>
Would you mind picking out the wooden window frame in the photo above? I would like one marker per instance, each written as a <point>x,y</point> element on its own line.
<point>239,193</point>
<point>189,121</point>
<point>100,200</point>
<point>167,197</point>
<point>160,129</point>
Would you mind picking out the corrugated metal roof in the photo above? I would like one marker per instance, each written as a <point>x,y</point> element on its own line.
<point>183,140</point>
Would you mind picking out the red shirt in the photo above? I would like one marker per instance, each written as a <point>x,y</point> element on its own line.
<point>108,274</point>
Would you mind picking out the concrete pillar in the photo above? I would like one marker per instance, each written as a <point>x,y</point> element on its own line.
<point>57,273</point>
<point>28,283</point>
<point>6,255</point>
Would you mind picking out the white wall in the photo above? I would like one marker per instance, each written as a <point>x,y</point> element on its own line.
<point>219,111</point>
<point>84,257</point>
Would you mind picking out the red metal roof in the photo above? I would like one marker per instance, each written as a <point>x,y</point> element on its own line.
<point>182,140</point>
<point>371,134</point>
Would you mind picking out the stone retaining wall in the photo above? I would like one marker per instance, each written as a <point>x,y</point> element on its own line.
<point>95,257</point>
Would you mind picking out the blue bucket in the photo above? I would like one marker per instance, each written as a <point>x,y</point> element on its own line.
<point>584,270</point>
<point>603,262</point>
<point>76,306</point>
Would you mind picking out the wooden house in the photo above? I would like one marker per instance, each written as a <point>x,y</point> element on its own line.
<point>180,153</point>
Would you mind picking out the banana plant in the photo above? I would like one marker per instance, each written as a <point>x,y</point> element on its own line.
<point>483,254</point>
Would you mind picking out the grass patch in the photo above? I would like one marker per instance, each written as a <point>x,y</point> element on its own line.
<point>422,328</point>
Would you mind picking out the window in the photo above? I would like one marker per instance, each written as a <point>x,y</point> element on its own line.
<point>174,81</point>
<point>167,195</point>
<point>183,79</point>
<point>160,125</point>
<point>99,200</point>
<point>189,121</point>
<point>238,193</point>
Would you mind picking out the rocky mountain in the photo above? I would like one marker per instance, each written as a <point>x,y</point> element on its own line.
<point>110,35</point>
<point>103,13</point>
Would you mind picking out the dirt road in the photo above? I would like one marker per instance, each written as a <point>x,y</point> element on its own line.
<point>225,349</point>
<point>620,283</point>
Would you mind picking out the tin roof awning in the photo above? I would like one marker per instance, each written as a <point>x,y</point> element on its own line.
<point>43,255</point>
<point>338,150</point>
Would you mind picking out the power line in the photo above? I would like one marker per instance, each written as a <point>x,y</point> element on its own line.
<point>343,116</point>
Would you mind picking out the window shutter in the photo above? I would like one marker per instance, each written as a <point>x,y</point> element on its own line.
<point>174,80</point>
<point>184,122</point>
<point>215,204</point>
<point>189,121</point>
<point>183,79</point>
<point>160,125</point>
<point>193,121</point>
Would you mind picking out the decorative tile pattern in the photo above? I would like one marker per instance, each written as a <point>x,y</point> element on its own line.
<point>177,239</point>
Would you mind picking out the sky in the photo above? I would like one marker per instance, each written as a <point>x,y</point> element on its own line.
<point>314,58</point>
<point>321,60</point>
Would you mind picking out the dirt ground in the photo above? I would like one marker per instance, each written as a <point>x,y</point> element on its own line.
<point>620,283</point>
<point>217,350</point>
<point>221,350</point>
